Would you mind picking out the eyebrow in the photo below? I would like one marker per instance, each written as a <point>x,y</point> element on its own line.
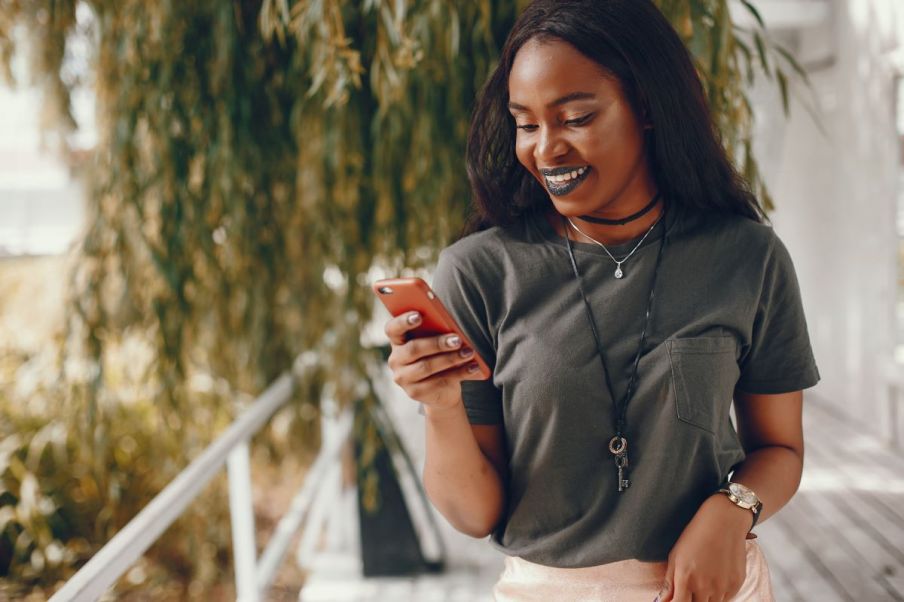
<point>557,102</point>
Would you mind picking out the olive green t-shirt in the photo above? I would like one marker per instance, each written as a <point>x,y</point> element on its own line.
<point>726,314</point>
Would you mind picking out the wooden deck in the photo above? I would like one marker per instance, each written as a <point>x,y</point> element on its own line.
<point>842,536</point>
<point>840,539</point>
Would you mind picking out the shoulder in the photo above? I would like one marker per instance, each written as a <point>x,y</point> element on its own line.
<point>735,234</point>
<point>742,251</point>
<point>484,254</point>
<point>474,247</point>
<point>467,264</point>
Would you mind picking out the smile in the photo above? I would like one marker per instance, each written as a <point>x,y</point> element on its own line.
<point>561,181</point>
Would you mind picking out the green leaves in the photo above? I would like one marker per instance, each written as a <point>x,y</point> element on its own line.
<point>753,11</point>
<point>783,89</point>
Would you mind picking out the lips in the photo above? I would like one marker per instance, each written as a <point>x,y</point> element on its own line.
<point>562,180</point>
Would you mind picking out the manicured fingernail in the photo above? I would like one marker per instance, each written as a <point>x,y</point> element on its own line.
<point>466,352</point>
<point>473,367</point>
<point>414,318</point>
<point>453,341</point>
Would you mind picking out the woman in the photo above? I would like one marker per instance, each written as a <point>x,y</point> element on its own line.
<point>619,279</point>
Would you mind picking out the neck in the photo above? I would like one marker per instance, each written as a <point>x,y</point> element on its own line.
<point>608,234</point>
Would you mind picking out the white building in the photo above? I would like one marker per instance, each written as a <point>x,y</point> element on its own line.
<point>838,191</point>
<point>41,206</point>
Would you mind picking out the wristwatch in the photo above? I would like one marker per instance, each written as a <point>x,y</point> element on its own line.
<point>744,497</point>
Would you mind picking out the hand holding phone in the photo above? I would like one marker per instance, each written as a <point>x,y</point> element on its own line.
<point>431,355</point>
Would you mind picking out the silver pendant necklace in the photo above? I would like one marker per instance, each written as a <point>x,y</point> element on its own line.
<point>618,263</point>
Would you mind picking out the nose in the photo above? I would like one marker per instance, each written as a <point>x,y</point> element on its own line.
<point>551,146</point>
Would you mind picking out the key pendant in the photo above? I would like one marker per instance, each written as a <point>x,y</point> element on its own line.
<point>618,447</point>
<point>622,463</point>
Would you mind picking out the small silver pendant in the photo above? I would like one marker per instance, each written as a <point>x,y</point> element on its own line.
<point>618,272</point>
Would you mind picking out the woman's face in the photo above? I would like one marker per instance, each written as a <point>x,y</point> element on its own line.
<point>576,132</point>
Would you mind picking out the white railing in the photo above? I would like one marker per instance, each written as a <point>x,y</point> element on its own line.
<point>252,577</point>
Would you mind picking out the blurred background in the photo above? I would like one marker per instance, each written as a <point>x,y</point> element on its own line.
<point>194,199</point>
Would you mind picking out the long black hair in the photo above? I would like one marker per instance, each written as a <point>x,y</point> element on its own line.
<point>633,41</point>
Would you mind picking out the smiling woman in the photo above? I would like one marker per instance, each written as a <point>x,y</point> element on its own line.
<point>578,135</point>
<point>601,455</point>
<point>626,91</point>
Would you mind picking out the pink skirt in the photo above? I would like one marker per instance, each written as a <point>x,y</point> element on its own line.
<point>624,581</point>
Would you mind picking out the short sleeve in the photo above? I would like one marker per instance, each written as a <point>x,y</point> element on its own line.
<point>468,305</point>
<point>779,358</point>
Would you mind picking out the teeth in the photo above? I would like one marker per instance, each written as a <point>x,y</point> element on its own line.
<point>567,177</point>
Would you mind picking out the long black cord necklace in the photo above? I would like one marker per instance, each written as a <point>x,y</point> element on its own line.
<point>618,445</point>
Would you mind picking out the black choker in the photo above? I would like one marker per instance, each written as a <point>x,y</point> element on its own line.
<point>624,220</point>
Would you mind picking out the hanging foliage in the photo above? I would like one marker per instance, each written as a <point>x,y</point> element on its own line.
<point>258,164</point>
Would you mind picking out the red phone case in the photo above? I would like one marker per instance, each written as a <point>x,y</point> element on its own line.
<point>402,295</point>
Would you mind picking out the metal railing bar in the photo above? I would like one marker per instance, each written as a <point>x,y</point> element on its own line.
<point>109,564</point>
<point>273,554</point>
<point>322,505</point>
<point>241,515</point>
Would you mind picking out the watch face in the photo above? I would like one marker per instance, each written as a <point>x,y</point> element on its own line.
<point>743,493</point>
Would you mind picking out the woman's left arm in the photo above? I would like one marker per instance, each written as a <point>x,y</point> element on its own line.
<point>708,562</point>
<point>771,431</point>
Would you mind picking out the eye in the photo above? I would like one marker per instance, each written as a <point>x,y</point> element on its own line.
<point>527,127</point>
<point>580,120</point>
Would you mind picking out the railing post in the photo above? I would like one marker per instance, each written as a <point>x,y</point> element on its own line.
<point>241,511</point>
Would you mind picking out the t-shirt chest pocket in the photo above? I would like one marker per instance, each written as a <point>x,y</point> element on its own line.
<point>704,372</point>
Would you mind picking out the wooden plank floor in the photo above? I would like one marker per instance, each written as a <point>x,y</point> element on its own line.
<point>842,536</point>
<point>840,539</point>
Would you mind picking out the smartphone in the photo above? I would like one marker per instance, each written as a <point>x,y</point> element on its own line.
<point>402,295</point>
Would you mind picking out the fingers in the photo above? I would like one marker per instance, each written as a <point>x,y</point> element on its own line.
<point>686,588</point>
<point>679,591</point>
<point>664,595</point>
<point>429,368</point>
<point>682,590</point>
<point>431,390</point>
<point>667,593</point>
<point>678,588</point>
<point>408,352</point>
<point>424,366</point>
<point>396,328</point>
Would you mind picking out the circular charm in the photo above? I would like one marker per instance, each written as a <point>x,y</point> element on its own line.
<point>618,445</point>
<point>618,272</point>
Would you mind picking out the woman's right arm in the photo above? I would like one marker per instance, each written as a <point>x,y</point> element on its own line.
<point>461,479</point>
<point>464,463</point>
